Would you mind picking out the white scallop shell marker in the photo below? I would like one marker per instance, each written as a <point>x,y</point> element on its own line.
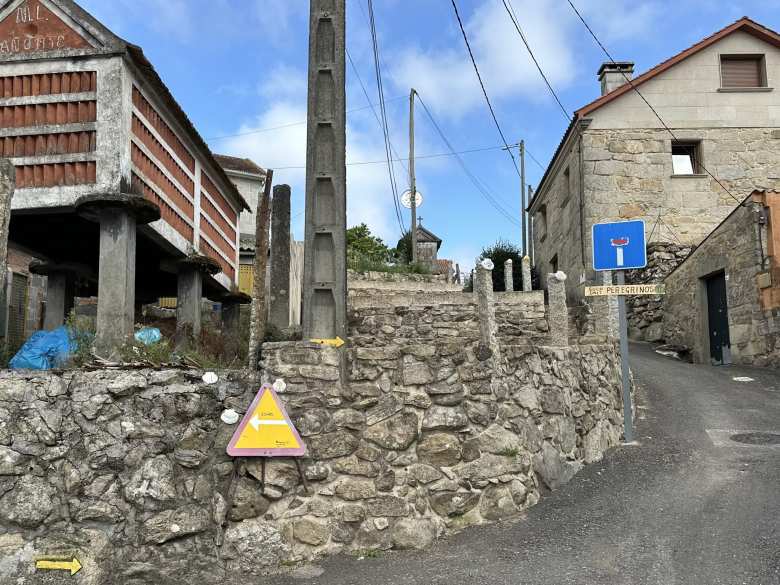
<point>487,264</point>
<point>229,416</point>
<point>210,378</point>
<point>280,385</point>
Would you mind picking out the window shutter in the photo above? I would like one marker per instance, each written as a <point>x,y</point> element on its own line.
<point>741,72</point>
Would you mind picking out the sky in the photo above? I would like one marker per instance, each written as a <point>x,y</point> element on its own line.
<point>238,68</point>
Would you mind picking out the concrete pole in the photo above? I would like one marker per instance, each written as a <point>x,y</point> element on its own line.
<point>557,311</point>
<point>522,198</point>
<point>279,314</point>
<point>412,178</point>
<point>7,187</point>
<point>527,278</point>
<point>116,281</point>
<point>325,256</point>
<point>509,283</point>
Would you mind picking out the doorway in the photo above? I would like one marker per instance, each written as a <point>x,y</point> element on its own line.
<point>718,319</point>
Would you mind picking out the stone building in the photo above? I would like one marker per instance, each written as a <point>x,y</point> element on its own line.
<point>111,174</point>
<point>723,301</point>
<point>616,160</point>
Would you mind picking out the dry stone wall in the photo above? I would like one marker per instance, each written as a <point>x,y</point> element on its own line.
<point>412,432</point>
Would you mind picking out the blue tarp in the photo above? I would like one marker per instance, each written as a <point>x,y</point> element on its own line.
<point>148,335</point>
<point>45,350</point>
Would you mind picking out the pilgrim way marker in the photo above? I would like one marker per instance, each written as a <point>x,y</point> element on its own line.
<point>266,430</point>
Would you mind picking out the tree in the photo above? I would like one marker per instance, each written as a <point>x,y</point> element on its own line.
<point>361,243</point>
<point>499,253</point>
<point>403,249</point>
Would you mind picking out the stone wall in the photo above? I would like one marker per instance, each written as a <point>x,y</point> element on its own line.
<point>414,430</point>
<point>371,282</point>
<point>735,248</point>
<point>645,313</point>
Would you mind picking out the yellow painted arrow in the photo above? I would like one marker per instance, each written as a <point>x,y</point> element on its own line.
<point>73,566</point>
<point>338,342</point>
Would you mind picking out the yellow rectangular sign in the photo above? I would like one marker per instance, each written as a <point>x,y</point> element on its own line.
<point>625,289</point>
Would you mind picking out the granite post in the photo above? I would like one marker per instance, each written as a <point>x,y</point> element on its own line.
<point>7,186</point>
<point>509,284</point>
<point>325,257</point>
<point>279,313</point>
<point>486,309</point>
<point>557,311</point>
<point>528,284</point>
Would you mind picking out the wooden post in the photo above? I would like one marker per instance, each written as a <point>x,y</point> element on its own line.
<point>259,311</point>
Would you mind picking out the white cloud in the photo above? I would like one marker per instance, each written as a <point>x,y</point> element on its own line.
<point>445,76</point>
<point>369,198</point>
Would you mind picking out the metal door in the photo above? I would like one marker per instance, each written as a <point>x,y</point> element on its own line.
<point>718,320</point>
<point>17,311</point>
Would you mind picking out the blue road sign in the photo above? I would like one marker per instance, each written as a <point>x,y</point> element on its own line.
<point>619,245</point>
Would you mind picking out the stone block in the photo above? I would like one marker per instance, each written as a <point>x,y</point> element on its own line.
<point>444,418</point>
<point>172,524</point>
<point>310,532</point>
<point>439,449</point>
<point>413,533</point>
<point>396,432</point>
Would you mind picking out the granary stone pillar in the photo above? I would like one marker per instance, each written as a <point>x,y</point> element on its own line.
<point>118,215</point>
<point>279,312</point>
<point>60,289</point>
<point>527,278</point>
<point>557,311</point>
<point>606,310</point>
<point>231,319</point>
<point>192,270</point>
<point>509,282</point>
<point>7,186</point>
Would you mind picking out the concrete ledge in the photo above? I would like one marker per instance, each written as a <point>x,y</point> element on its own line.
<point>92,206</point>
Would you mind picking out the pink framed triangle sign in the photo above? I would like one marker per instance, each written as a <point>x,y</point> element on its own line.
<point>266,430</point>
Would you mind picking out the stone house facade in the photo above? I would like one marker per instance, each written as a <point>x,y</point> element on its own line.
<point>617,161</point>
<point>739,260</point>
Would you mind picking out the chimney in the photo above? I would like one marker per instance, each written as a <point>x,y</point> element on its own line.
<point>613,75</point>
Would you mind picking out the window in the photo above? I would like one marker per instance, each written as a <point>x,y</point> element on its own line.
<point>554,263</point>
<point>686,158</point>
<point>566,187</point>
<point>541,223</point>
<point>742,71</point>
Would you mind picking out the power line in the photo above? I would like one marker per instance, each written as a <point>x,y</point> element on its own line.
<point>657,115</point>
<point>481,187</point>
<point>383,111</point>
<point>511,12</point>
<point>482,85</point>
<point>301,123</point>
<point>401,159</point>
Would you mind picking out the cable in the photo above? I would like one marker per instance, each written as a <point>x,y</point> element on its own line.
<point>484,191</point>
<point>511,12</point>
<point>293,124</point>
<point>482,85</point>
<point>657,115</point>
<point>383,111</point>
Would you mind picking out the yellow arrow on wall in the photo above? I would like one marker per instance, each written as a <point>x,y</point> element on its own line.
<point>74,566</point>
<point>338,342</point>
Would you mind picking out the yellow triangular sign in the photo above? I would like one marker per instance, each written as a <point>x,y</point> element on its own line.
<point>266,430</point>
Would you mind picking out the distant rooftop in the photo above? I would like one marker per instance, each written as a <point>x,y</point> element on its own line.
<point>242,165</point>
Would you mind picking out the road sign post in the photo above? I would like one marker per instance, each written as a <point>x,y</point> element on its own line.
<point>620,246</point>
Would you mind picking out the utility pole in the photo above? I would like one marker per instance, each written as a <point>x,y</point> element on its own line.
<point>524,223</point>
<point>522,198</point>
<point>412,177</point>
<point>325,256</point>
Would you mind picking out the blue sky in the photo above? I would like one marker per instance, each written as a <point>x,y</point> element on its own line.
<point>238,68</point>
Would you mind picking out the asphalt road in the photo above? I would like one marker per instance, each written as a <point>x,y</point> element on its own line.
<point>687,505</point>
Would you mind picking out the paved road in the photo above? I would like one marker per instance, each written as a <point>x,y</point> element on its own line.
<point>680,508</point>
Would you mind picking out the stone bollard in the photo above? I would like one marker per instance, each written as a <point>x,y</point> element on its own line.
<point>279,311</point>
<point>486,310</point>
<point>509,283</point>
<point>527,282</point>
<point>7,186</point>
<point>557,312</point>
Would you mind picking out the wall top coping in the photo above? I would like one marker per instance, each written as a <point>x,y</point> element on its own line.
<point>435,298</point>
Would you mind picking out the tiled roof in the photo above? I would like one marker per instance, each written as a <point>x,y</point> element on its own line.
<point>243,165</point>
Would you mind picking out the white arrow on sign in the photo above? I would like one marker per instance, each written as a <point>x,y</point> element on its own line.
<point>256,422</point>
